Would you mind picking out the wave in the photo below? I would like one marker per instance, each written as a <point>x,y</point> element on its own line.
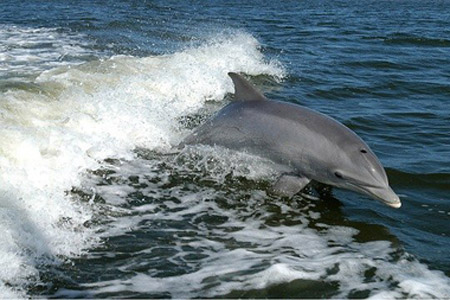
<point>71,118</point>
<point>411,39</point>
<point>439,181</point>
<point>26,51</point>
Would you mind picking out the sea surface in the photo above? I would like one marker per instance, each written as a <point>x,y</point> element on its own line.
<point>96,201</point>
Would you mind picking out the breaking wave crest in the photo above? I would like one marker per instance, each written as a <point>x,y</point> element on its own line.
<point>71,118</point>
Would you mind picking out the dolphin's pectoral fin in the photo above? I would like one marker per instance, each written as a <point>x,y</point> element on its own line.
<point>288,185</point>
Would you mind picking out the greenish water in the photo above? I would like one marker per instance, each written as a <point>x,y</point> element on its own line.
<point>95,95</point>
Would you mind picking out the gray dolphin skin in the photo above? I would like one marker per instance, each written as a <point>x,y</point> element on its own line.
<point>307,144</point>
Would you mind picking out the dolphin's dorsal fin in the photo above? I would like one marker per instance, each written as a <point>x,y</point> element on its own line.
<point>244,90</point>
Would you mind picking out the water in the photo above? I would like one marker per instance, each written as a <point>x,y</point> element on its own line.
<point>94,201</point>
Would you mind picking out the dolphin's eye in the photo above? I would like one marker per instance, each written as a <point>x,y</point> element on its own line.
<point>338,175</point>
<point>363,151</point>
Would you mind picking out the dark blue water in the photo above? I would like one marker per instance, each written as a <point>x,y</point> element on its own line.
<point>94,95</point>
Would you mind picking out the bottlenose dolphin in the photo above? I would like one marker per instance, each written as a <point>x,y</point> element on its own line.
<point>309,145</point>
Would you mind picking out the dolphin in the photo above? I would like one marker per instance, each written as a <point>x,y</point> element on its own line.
<point>307,144</point>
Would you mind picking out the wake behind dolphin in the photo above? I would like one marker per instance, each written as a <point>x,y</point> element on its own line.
<point>307,145</point>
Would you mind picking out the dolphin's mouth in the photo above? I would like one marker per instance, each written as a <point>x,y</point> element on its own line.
<point>385,194</point>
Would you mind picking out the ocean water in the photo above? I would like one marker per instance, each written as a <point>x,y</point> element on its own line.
<point>96,202</point>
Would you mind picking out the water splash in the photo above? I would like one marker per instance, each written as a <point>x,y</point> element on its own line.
<point>71,118</point>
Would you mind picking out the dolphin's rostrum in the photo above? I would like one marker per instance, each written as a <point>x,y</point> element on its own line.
<point>308,144</point>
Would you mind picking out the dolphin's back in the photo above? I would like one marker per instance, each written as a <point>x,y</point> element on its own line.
<point>281,131</point>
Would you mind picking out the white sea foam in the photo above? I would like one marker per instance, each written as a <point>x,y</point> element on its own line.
<point>329,256</point>
<point>79,116</point>
<point>281,254</point>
